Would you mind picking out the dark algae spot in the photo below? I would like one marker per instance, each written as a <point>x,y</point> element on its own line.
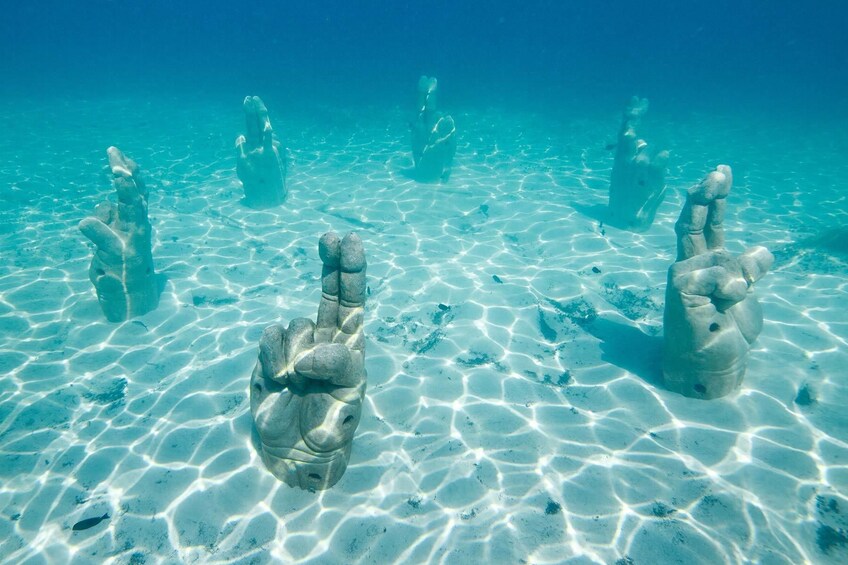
<point>633,304</point>
<point>89,523</point>
<point>107,394</point>
<point>497,279</point>
<point>469,515</point>
<point>660,510</point>
<point>477,359</point>
<point>806,396</point>
<point>203,300</point>
<point>547,331</point>
<point>828,538</point>
<point>827,505</point>
<point>578,311</point>
<point>427,343</point>
<point>596,270</point>
<point>562,380</point>
<point>552,508</point>
<point>831,533</point>
<point>700,389</point>
<point>443,315</point>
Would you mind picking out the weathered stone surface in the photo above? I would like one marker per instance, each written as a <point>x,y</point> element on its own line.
<point>711,314</point>
<point>122,267</point>
<point>433,136</point>
<point>308,385</point>
<point>261,167</point>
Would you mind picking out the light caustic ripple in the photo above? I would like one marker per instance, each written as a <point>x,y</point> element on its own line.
<point>514,408</point>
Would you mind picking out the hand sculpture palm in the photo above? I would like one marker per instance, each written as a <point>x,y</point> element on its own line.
<point>711,318</point>
<point>307,388</point>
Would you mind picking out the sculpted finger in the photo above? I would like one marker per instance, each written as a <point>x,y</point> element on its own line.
<point>700,225</point>
<point>256,115</point>
<point>715,185</point>
<point>102,236</point>
<point>695,263</point>
<point>722,181</point>
<point>714,230</point>
<point>299,341</point>
<point>352,291</point>
<point>329,248</point>
<point>121,165</point>
<point>728,180</point>
<point>690,229</point>
<point>717,283</point>
<point>755,263</point>
<point>272,353</point>
<point>268,137</point>
<point>326,362</point>
<point>263,120</point>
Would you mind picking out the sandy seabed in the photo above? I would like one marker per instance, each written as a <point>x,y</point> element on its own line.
<point>515,411</point>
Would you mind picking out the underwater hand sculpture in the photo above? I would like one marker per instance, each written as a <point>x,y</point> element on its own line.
<point>433,136</point>
<point>637,186</point>
<point>260,168</point>
<point>711,315</point>
<point>122,267</point>
<point>308,385</point>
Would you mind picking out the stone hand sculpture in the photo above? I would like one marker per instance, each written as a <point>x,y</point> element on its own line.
<point>637,187</point>
<point>711,315</point>
<point>308,385</point>
<point>433,136</point>
<point>122,267</point>
<point>261,169</point>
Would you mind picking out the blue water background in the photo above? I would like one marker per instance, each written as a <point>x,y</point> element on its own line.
<point>781,56</point>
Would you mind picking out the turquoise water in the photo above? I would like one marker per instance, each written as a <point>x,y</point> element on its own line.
<point>515,411</point>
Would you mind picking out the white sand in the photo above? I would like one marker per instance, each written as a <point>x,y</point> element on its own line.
<point>498,426</point>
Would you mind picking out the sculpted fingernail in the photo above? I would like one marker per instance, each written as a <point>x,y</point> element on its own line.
<point>329,249</point>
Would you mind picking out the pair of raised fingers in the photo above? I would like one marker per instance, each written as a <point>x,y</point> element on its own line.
<point>700,227</point>
<point>326,349</point>
<point>258,122</point>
